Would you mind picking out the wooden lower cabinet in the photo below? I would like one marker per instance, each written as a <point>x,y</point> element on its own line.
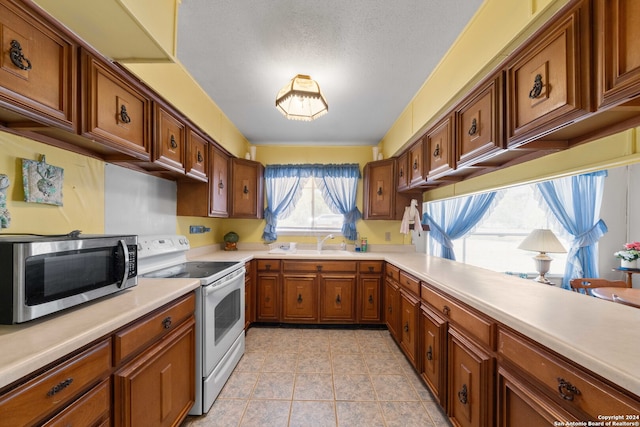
<point>249,292</point>
<point>158,387</point>
<point>92,409</point>
<point>392,307</point>
<point>338,298</point>
<point>370,298</point>
<point>300,297</point>
<point>409,308</point>
<point>470,382</point>
<point>267,297</point>
<point>433,330</point>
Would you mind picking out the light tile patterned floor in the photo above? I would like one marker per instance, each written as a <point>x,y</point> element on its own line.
<point>322,377</point>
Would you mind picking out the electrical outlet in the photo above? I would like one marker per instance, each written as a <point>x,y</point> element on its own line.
<point>387,236</point>
<point>196,229</point>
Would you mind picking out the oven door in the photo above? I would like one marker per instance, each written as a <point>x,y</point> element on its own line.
<point>223,317</point>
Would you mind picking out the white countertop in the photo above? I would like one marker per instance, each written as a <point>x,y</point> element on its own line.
<point>27,347</point>
<point>601,336</point>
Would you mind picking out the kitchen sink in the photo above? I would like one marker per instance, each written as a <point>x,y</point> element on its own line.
<point>312,252</point>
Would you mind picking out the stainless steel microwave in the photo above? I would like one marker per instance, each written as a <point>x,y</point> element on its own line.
<point>40,275</point>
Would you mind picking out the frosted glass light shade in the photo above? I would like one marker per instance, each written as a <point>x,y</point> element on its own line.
<point>301,99</point>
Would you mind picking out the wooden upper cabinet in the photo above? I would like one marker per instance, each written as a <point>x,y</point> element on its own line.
<point>197,155</point>
<point>381,199</point>
<point>37,69</point>
<point>618,47</point>
<point>416,164</point>
<point>247,197</point>
<point>402,171</point>
<point>115,111</point>
<point>549,78</point>
<point>439,149</point>
<point>479,123</point>
<point>169,139</point>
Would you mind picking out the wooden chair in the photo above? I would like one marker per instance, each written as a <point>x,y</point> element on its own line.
<point>621,300</point>
<point>584,285</point>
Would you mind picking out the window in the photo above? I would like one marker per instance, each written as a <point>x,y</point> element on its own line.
<point>311,214</point>
<point>512,219</point>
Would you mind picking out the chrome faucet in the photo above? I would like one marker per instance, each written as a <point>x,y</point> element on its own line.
<point>321,242</point>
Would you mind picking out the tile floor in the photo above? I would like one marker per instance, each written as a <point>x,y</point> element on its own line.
<point>322,377</point>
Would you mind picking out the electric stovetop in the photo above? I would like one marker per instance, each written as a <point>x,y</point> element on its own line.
<point>192,269</point>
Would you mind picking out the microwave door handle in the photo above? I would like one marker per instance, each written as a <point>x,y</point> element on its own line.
<point>125,252</point>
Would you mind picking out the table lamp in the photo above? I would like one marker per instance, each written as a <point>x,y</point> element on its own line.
<point>543,241</point>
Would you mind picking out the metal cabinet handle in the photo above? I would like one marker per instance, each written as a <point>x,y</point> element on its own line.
<point>370,269</point>
<point>221,185</point>
<point>474,127</point>
<point>436,152</point>
<point>430,353</point>
<point>446,310</point>
<point>390,309</point>
<point>462,395</point>
<point>299,298</point>
<point>166,323</point>
<point>319,267</point>
<point>172,142</point>
<point>199,157</point>
<point>124,116</point>
<point>17,57</point>
<point>567,390</point>
<point>415,164</point>
<point>245,190</point>
<point>379,191</point>
<point>401,173</point>
<point>406,327</point>
<point>338,300</point>
<point>267,299</point>
<point>370,299</point>
<point>537,87</point>
<point>60,386</point>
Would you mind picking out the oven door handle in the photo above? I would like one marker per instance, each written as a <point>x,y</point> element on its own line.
<point>224,282</point>
<point>125,253</point>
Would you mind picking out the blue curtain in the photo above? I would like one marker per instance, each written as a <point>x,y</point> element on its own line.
<point>339,184</point>
<point>575,202</point>
<point>452,219</point>
<point>283,187</point>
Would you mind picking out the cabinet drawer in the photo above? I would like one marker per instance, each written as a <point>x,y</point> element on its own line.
<point>169,141</point>
<point>55,388</point>
<point>546,80</point>
<point>92,409</point>
<point>320,266</point>
<point>41,82</point>
<point>480,133</point>
<point>370,266</point>
<point>115,112</point>
<point>142,333</point>
<point>563,381</point>
<point>410,283</point>
<point>477,326</point>
<point>268,265</point>
<point>392,272</point>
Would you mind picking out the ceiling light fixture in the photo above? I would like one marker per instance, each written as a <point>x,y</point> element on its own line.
<point>301,99</point>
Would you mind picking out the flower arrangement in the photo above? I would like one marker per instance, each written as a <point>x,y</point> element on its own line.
<point>631,252</point>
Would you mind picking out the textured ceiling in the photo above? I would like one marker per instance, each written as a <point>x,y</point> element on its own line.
<point>370,57</point>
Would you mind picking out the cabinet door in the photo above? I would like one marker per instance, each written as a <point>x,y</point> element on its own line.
<point>548,82</point>
<point>246,193</point>
<point>519,404</point>
<point>370,298</point>
<point>158,387</point>
<point>249,303</point>
<point>218,182</point>
<point>337,298</point>
<point>402,172</point>
<point>92,409</point>
<point>300,293</point>
<point>470,380</point>
<point>379,190</point>
<point>434,352</point>
<point>416,165</point>
<point>479,124</point>
<point>618,46</point>
<point>267,301</point>
<point>40,80</point>
<point>197,154</point>
<point>409,306</point>
<point>392,307</point>
<point>439,149</point>
<point>115,112</point>
<point>170,138</point>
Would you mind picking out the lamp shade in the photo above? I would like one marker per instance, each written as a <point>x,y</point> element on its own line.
<point>301,99</point>
<point>542,240</point>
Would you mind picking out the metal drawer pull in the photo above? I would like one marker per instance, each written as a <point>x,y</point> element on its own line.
<point>17,57</point>
<point>370,299</point>
<point>537,87</point>
<point>415,164</point>
<point>199,157</point>
<point>319,267</point>
<point>446,310</point>
<point>567,390</point>
<point>390,309</point>
<point>166,323</point>
<point>380,191</point>
<point>370,269</point>
<point>221,185</point>
<point>124,116</point>
<point>406,327</point>
<point>462,395</point>
<point>299,298</point>
<point>338,300</point>
<point>59,387</point>
<point>245,190</point>
<point>474,127</point>
<point>430,353</point>
<point>172,142</point>
<point>436,152</point>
